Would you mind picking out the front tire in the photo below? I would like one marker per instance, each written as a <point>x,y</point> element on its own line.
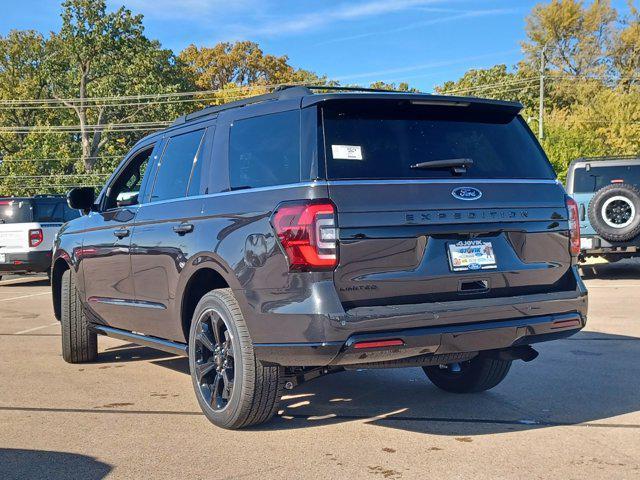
<point>233,388</point>
<point>79,343</point>
<point>475,375</point>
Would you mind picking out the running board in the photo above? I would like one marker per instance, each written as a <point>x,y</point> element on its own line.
<point>144,340</point>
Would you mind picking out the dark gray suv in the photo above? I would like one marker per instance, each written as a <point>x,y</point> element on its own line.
<point>295,234</point>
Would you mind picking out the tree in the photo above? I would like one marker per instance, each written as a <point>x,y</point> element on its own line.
<point>400,87</point>
<point>240,64</point>
<point>97,54</point>
<point>575,37</point>
<point>495,82</point>
<point>21,77</point>
<point>625,50</point>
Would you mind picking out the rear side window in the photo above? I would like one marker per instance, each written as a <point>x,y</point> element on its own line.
<point>176,165</point>
<point>265,151</point>
<point>592,180</point>
<point>379,141</point>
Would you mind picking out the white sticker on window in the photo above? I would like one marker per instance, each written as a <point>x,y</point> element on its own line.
<point>346,152</point>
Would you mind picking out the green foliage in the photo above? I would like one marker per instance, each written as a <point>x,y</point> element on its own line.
<point>592,80</point>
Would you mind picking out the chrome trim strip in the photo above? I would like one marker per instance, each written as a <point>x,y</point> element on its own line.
<point>127,303</point>
<point>144,340</point>
<point>235,192</point>
<point>445,181</point>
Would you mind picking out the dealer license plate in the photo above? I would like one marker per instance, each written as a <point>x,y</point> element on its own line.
<point>471,255</point>
<point>3,258</point>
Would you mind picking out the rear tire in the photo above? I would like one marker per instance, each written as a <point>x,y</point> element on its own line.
<point>233,388</point>
<point>476,375</point>
<point>79,343</point>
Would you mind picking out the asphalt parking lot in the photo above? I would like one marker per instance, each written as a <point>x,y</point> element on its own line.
<point>572,413</point>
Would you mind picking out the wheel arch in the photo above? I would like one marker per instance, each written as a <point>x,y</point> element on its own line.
<point>201,281</point>
<point>59,267</point>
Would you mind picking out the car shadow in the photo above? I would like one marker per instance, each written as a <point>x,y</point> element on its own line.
<point>584,380</point>
<point>27,282</point>
<point>37,464</point>
<point>628,269</point>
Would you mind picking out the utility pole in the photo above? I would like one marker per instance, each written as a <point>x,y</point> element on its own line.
<point>541,102</point>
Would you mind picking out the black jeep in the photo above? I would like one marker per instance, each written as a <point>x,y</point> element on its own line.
<point>296,233</point>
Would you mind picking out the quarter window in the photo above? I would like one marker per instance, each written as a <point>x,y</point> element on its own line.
<point>179,159</point>
<point>265,151</point>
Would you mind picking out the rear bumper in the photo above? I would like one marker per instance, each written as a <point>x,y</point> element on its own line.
<point>474,337</point>
<point>36,261</point>
<point>600,246</point>
<point>314,330</point>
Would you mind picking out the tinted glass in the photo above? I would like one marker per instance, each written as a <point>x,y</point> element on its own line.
<point>265,150</point>
<point>70,213</point>
<point>597,177</point>
<point>126,187</point>
<point>15,211</point>
<point>48,212</point>
<point>174,169</point>
<point>373,140</point>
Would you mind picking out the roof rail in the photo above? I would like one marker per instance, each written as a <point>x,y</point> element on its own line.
<point>607,157</point>
<point>280,93</point>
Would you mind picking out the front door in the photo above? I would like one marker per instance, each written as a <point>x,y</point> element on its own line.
<point>104,257</point>
<point>165,232</point>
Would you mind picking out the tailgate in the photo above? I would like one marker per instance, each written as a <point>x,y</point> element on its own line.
<point>395,237</point>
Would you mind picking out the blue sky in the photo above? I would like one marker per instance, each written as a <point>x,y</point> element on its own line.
<point>423,42</point>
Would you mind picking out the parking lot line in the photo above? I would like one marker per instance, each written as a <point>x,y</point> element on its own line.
<point>35,328</point>
<point>24,296</point>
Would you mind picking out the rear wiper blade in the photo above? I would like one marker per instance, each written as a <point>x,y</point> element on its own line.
<point>458,164</point>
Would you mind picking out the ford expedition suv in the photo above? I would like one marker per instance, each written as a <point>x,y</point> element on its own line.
<point>303,232</point>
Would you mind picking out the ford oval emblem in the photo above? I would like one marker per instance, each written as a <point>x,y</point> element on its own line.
<point>466,193</point>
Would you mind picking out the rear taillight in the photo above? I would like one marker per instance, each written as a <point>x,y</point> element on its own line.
<point>308,234</point>
<point>574,226</point>
<point>35,237</point>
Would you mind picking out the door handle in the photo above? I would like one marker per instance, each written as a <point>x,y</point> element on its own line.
<point>121,232</point>
<point>183,228</point>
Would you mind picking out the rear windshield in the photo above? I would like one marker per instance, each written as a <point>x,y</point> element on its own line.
<point>15,211</point>
<point>589,181</point>
<point>377,141</point>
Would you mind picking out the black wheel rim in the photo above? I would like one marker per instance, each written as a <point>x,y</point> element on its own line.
<point>214,360</point>
<point>618,212</point>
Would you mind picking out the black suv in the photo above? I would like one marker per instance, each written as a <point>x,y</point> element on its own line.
<point>296,233</point>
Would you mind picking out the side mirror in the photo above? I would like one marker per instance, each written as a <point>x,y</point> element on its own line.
<point>81,198</point>
<point>127,199</point>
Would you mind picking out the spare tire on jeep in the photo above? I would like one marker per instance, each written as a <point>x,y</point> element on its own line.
<point>614,212</point>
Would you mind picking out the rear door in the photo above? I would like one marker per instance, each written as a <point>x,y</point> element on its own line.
<point>410,235</point>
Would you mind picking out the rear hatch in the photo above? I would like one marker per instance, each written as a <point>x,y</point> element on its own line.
<point>495,227</point>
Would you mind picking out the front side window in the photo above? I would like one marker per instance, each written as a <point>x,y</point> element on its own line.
<point>176,165</point>
<point>265,151</point>
<point>125,189</point>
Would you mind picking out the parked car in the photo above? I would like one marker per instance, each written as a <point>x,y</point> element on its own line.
<point>607,191</point>
<point>28,226</point>
<point>295,234</point>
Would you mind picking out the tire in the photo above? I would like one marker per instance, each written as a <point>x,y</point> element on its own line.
<point>476,375</point>
<point>79,343</point>
<point>233,388</point>
<point>614,212</point>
